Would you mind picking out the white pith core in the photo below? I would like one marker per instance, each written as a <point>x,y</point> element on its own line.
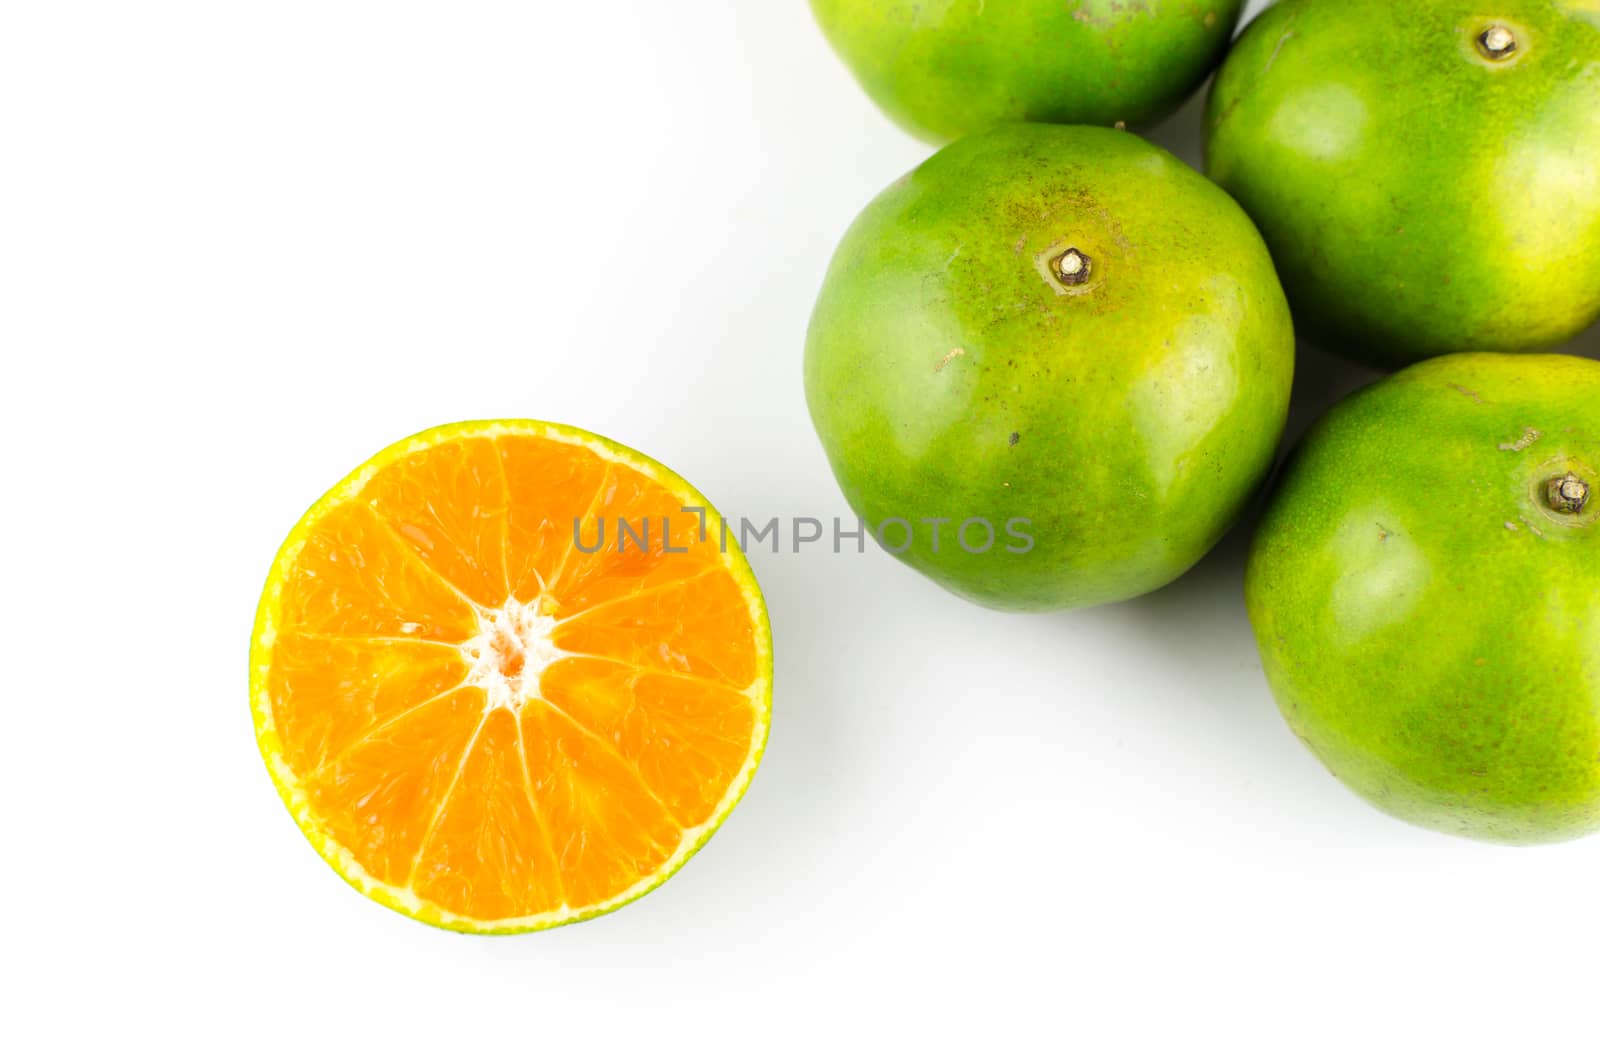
<point>512,648</point>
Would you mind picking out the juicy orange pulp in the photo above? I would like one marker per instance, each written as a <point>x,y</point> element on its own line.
<point>485,726</point>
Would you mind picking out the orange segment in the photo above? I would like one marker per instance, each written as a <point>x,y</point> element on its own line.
<point>700,627</point>
<point>609,829</point>
<point>632,553</point>
<point>462,542</point>
<point>377,800</point>
<point>490,822</point>
<point>332,691</point>
<point>687,740</point>
<point>356,577</point>
<point>555,484</point>
<point>484,726</point>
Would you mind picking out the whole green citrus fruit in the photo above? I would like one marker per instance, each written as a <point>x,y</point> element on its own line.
<point>1063,334</point>
<point>1426,173</point>
<point>1425,591</point>
<point>945,68</point>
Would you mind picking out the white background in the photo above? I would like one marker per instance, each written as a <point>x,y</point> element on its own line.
<point>242,247</point>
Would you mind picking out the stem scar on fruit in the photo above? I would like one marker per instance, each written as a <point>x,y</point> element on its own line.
<point>1070,270</point>
<point>1073,267</point>
<point>1497,43</point>
<point>1568,494</point>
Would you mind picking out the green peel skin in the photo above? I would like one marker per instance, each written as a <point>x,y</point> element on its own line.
<point>1061,324</point>
<point>946,68</point>
<point>1426,173</point>
<point>1425,591</point>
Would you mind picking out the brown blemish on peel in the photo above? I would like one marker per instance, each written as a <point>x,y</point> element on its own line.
<point>1288,35</point>
<point>1530,436</point>
<point>952,355</point>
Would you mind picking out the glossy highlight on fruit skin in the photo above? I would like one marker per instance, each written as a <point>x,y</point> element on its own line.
<point>484,727</point>
<point>1423,192</point>
<point>947,68</point>
<point>1061,324</point>
<point>1428,618</point>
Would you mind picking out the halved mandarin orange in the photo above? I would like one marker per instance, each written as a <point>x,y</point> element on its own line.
<point>484,715</point>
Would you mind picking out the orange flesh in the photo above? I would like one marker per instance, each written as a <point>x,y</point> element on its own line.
<point>576,767</point>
